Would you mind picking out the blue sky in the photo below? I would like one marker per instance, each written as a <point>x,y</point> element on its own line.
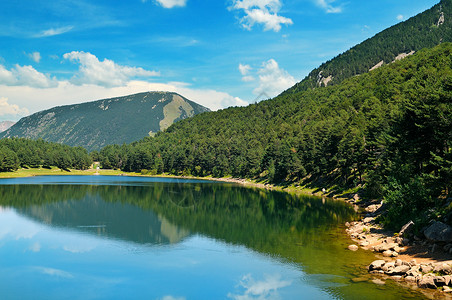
<point>217,53</point>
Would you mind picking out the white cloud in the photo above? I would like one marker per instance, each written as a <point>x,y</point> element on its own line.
<point>326,5</point>
<point>54,31</point>
<point>263,12</point>
<point>400,17</point>
<point>54,272</point>
<point>36,247</point>
<point>272,79</point>
<point>260,290</point>
<point>67,93</point>
<point>35,56</point>
<point>172,3</point>
<point>25,76</point>
<point>11,109</point>
<point>245,70</point>
<point>104,73</point>
<point>7,77</point>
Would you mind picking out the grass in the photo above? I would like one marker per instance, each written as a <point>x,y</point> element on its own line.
<point>290,188</point>
<point>56,171</point>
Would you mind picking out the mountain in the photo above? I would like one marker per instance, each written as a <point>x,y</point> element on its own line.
<point>5,125</point>
<point>425,30</point>
<point>94,125</point>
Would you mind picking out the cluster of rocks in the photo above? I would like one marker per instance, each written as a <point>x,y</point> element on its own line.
<point>436,238</point>
<point>431,275</point>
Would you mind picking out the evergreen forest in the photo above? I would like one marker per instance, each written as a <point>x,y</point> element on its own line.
<point>25,153</point>
<point>386,133</point>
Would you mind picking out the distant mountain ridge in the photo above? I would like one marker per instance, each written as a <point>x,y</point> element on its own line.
<point>425,30</point>
<point>5,125</point>
<point>94,125</point>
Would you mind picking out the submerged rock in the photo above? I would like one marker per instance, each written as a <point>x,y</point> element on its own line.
<point>353,248</point>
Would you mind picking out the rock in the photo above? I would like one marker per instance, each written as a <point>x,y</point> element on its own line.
<point>413,262</point>
<point>387,253</point>
<point>368,220</point>
<point>426,268</point>
<point>387,267</point>
<point>448,279</point>
<point>373,208</point>
<point>439,232</point>
<point>410,279</point>
<point>347,224</point>
<point>407,228</point>
<point>394,254</point>
<point>440,281</point>
<point>442,268</point>
<point>385,246</point>
<point>364,243</point>
<point>359,279</point>
<point>427,282</point>
<point>414,271</point>
<point>447,289</point>
<point>377,265</point>
<point>353,248</point>
<point>400,270</point>
<point>396,277</point>
<point>378,281</point>
<point>398,262</point>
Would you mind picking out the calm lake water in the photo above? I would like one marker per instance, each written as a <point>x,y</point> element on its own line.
<point>106,237</point>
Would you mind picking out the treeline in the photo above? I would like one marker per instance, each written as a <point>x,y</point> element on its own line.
<point>388,131</point>
<point>421,31</point>
<point>20,152</point>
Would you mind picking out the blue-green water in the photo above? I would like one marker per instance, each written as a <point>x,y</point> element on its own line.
<point>105,237</point>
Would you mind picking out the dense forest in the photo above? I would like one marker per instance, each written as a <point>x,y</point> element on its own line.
<point>20,152</point>
<point>425,30</point>
<point>387,131</point>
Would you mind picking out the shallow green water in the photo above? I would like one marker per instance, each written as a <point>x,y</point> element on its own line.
<point>101,237</point>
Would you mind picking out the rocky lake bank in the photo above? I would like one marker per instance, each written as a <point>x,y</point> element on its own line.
<point>421,260</point>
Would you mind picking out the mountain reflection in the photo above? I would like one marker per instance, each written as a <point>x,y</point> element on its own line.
<point>166,213</point>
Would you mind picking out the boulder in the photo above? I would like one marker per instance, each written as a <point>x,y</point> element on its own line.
<point>426,268</point>
<point>386,246</point>
<point>399,270</point>
<point>440,281</point>
<point>407,228</point>
<point>414,271</point>
<point>442,268</point>
<point>387,253</point>
<point>439,232</point>
<point>376,264</point>
<point>427,282</point>
<point>388,267</point>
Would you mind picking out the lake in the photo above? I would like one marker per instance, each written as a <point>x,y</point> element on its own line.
<point>119,237</point>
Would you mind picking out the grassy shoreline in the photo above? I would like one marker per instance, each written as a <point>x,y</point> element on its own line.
<point>292,189</point>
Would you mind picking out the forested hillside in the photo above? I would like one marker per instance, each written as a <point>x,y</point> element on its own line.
<point>94,125</point>
<point>388,131</point>
<point>20,152</point>
<point>425,30</point>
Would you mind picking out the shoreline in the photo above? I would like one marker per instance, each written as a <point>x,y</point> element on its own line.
<point>390,249</point>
